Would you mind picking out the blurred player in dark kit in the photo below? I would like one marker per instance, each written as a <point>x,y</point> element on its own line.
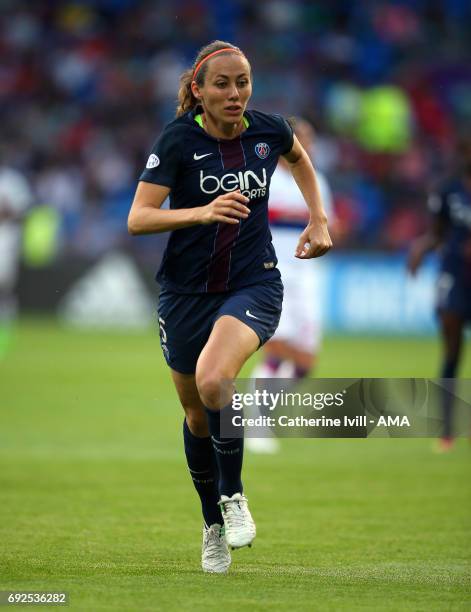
<point>450,235</point>
<point>221,292</point>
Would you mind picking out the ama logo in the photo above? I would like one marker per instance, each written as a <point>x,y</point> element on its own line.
<point>262,150</point>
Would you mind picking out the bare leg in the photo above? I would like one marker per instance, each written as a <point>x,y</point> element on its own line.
<point>303,361</point>
<point>230,344</point>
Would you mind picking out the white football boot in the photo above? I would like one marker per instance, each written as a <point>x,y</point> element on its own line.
<point>238,522</point>
<point>215,556</point>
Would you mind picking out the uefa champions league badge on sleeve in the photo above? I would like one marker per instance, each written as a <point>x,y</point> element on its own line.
<point>153,161</point>
<point>262,150</point>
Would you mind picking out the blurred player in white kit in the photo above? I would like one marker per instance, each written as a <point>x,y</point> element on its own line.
<point>15,198</point>
<point>293,349</point>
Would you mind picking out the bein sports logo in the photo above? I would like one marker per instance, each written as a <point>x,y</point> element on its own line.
<point>248,182</point>
<point>262,150</point>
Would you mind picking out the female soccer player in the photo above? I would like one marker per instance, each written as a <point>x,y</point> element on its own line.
<point>450,231</point>
<point>221,292</point>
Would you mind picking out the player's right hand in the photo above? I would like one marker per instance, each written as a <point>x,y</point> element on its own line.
<point>227,208</point>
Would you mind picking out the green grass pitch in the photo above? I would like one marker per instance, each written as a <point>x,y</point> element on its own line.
<point>96,499</point>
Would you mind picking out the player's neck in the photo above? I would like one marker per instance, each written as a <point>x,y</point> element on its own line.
<point>219,129</point>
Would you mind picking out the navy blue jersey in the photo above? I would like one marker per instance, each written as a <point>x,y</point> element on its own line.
<point>452,205</point>
<point>198,167</point>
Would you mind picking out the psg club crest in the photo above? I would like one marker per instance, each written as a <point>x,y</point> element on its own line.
<point>262,150</point>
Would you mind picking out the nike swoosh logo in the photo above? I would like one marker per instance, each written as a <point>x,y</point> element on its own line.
<point>249,314</point>
<point>197,157</point>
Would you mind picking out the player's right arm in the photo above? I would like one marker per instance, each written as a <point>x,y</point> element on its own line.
<point>147,217</point>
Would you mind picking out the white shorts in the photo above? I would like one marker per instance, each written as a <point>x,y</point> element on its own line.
<point>300,322</point>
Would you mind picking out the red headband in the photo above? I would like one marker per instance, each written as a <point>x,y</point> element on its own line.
<point>211,55</point>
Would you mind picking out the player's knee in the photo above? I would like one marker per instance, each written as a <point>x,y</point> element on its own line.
<point>213,389</point>
<point>209,388</point>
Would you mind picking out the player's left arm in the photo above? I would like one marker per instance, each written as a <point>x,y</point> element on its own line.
<point>315,239</point>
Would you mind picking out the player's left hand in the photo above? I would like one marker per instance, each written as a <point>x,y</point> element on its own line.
<point>314,241</point>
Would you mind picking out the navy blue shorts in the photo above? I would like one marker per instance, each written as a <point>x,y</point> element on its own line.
<point>186,321</point>
<point>454,295</point>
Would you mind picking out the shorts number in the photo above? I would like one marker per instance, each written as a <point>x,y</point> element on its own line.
<point>163,333</point>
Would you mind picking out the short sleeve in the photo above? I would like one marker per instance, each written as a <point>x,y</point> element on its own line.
<point>437,205</point>
<point>164,161</point>
<point>286,132</point>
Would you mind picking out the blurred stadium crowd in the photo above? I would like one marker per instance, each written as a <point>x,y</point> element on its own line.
<point>86,86</point>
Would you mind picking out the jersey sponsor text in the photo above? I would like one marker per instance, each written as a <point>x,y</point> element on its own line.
<point>250,184</point>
